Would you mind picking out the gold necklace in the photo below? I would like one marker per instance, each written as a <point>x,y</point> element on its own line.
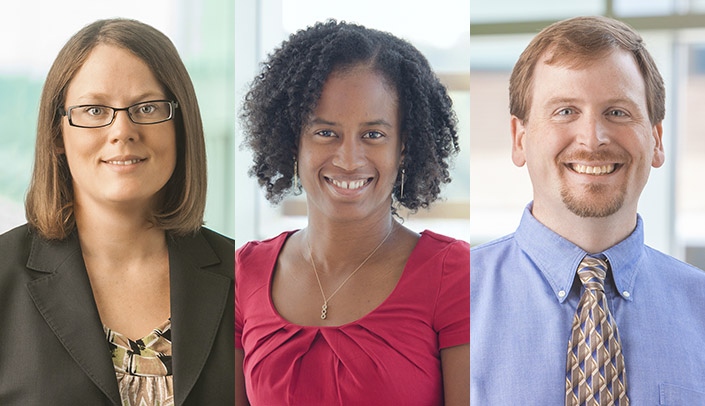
<point>324,308</point>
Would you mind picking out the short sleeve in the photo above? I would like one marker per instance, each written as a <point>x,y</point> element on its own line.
<point>452,314</point>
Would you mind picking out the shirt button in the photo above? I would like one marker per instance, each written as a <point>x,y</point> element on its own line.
<point>626,294</point>
<point>561,293</point>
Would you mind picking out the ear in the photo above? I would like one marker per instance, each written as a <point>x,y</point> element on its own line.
<point>659,156</point>
<point>518,134</point>
<point>59,145</point>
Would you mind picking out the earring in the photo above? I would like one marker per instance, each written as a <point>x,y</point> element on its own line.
<point>403,173</point>
<point>295,185</point>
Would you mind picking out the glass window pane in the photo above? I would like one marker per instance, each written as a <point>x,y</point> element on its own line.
<point>518,10</point>
<point>691,153</point>
<point>635,8</point>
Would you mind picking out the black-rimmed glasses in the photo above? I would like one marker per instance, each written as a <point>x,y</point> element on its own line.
<point>97,116</point>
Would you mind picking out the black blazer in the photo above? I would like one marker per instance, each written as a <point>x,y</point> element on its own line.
<point>53,350</point>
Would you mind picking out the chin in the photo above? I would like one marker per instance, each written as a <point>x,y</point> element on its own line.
<point>592,206</point>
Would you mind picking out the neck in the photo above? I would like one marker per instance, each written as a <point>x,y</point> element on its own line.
<point>339,246</point>
<point>592,234</point>
<point>117,236</point>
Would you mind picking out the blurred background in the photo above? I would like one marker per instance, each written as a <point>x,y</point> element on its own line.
<point>439,29</point>
<point>673,202</point>
<point>33,32</point>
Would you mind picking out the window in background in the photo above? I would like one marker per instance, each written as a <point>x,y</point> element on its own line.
<point>506,11</point>
<point>691,150</point>
<point>34,32</point>
<point>631,8</point>
<point>440,32</point>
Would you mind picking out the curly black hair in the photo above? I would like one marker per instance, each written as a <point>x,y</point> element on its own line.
<point>283,96</point>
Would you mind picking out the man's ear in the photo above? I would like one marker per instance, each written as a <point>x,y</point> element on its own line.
<point>518,132</point>
<point>659,156</point>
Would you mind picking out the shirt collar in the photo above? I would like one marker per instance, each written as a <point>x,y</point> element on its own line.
<point>558,258</point>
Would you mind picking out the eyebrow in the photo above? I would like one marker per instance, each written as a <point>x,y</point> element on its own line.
<point>89,98</point>
<point>381,122</point>
<point>571,100</point>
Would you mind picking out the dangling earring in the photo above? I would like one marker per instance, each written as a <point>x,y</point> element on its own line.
<point>401,194</point>
<point>295,185</point>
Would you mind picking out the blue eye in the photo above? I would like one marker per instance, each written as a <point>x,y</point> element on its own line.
<point>565,111</point>
<point>617,113</point>
<point>94,110</point>
<point>147,109</point>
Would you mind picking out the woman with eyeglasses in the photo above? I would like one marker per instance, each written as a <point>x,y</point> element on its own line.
<point>114,293</point>
<point>354,309</point>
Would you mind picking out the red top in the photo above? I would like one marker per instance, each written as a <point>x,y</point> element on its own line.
<point>391,356</point>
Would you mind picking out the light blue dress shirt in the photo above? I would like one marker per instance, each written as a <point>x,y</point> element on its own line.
<point>523,294</point>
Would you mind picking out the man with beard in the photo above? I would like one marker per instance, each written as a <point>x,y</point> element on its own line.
<point>573,308</point>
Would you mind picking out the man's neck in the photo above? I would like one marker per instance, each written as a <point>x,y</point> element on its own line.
<point>592,234</point>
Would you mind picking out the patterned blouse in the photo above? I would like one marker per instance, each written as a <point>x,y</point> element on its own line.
<point>143,367</point>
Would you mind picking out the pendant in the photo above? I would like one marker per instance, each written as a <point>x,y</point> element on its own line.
<point>324,311</point>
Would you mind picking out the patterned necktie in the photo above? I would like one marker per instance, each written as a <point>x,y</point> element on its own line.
<point>595,374</point>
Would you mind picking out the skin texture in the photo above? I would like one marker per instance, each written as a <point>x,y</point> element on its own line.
<point>352,137</point>
<point>126,257</point>
<point>115,77</point>
<point>589,146</point>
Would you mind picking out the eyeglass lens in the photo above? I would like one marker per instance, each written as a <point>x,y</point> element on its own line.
<point>91,116</point>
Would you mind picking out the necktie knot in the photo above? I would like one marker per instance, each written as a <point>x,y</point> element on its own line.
<point>592,272</point>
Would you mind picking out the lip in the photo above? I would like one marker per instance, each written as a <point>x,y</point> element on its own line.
<point>593,169</point>
<point>123,162</point>
<point>348,186</point>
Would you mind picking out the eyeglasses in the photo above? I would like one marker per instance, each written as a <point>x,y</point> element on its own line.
<point>97,116</point>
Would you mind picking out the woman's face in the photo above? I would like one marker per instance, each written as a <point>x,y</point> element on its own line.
<point>124,163</point>
<point>350,149</point>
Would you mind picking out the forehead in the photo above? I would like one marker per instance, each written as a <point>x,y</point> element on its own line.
<point>360,87</point>
<point>113,71</point>
<point>614,74</point>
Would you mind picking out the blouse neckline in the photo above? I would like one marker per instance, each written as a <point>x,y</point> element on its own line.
<point>273,309</point>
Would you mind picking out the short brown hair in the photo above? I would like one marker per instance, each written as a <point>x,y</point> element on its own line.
<point>49,202</point>
<point>576,42</point>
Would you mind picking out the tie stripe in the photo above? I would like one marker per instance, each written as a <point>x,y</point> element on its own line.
<point>595,373</point>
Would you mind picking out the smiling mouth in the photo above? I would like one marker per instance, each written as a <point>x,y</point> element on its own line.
<point>593,170</point>
<point>350,185</point>
<point>127,162</point>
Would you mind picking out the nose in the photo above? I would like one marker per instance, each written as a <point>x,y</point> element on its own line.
<point>122,129</point>
<point>592,131</point>
<point>349,154</point>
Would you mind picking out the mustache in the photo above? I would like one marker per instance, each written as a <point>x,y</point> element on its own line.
<point>592,156</point>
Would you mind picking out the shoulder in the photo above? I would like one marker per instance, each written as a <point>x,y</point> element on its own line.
<point>492,249</point>
<point>16,236</point>
<point>674,267</point>
<point>438,243</point>
<point>436,250</point>
<point>206,249</point>
<point>15,246</point>
<point>254,250</point>
<point>218,241</point>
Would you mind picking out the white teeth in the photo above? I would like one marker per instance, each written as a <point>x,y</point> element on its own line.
<point>593,170</point>
<point>352,185</point>
<point>129,162</point>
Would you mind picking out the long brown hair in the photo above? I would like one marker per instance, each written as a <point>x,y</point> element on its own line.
<point>49,204</point>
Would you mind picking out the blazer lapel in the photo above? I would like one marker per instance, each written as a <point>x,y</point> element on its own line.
<point>198,301</point>
<point>65,300</point>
